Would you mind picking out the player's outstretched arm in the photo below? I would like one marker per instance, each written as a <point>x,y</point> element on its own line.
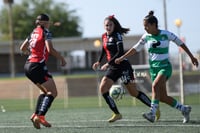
<point>193,59</point>
<point>54,52</point>
<point>130,52</point>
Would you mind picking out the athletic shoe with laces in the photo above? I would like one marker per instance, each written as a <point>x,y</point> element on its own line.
<point>149,116</point>
<point>186,113</point>
<point>35,120</point>
<point>157,114</point>
<point>115,117</point>
<point>43,121</point>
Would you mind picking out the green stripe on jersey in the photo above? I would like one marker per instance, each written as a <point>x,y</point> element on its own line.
<point>158,50</point>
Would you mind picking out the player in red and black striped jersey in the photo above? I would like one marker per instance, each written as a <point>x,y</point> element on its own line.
<point>112,48</point>
<point>39,45</point>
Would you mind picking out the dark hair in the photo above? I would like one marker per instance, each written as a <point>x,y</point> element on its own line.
<point>150,18</point>
<point>41,17</point>
<point>117,27</point>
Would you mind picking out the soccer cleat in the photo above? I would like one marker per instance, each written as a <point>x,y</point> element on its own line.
<point>43,121</point>
<point>32,116</point>
<point>115,117</point>
<point>35,120</point>
<point>149,116</point>
<point>186,113</point>
<point>157,114</point>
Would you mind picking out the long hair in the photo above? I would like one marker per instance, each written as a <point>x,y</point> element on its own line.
<point>117,28</point>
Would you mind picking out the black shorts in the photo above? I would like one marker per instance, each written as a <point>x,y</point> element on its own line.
<point>123,71</point>
<point>37,72</point>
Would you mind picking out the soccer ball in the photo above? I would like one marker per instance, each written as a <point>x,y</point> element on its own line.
<point>116,92</point>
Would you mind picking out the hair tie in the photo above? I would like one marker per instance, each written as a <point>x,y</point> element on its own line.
<point>111,17</point>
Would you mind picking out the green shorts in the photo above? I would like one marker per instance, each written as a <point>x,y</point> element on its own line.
<point>166,71</point>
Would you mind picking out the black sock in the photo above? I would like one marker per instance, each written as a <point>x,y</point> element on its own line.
<point>110,102</point>
<point>143,98</point>
<point>46,104</point>
<point>39,103</point>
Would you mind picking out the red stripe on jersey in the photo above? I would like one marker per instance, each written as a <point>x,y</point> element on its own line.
<point>105,40</point>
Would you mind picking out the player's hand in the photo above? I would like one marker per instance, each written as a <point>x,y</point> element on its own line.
<point>104,67</point>
<point>95,65</point>
<point>195,61</point>
<point>118,60</point>
<point>26,52</point>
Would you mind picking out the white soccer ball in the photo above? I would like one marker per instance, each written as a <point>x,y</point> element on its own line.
<point>116,92</point>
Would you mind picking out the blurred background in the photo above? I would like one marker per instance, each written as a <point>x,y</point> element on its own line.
<point>77,29</point>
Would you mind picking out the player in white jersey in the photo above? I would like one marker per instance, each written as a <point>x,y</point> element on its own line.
<point>157,42</point>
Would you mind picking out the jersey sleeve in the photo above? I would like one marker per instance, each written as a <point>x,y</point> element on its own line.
<point>103,53</point>
<point>172,37</point>
<point>120,48</point>
<point>140,44</point>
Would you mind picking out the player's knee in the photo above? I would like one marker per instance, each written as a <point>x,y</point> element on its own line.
<point>103,90</point>
<point>53,93</point>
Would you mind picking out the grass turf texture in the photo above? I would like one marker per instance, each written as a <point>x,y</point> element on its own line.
<point>84,116</point>
<point>85,102</point>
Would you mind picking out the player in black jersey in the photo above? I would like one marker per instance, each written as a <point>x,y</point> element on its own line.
<point>113,48</point>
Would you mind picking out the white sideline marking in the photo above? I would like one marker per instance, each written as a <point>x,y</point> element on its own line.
<point>57,124</point>
<point>115,125</point>
<point>130,125</point>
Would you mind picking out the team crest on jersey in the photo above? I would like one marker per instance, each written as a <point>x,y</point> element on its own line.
<point>163,38</point>
<point>155,44</point>
<point>111,39</point>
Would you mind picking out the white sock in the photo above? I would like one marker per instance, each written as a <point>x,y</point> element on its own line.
<point>154,108</point>
<point>179,106</point>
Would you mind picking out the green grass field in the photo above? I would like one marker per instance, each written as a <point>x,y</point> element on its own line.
<point>84,116</point>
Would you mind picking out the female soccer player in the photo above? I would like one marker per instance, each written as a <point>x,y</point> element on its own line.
<point>157,42</point>
<point>113,48</point>
<point>39,45</point>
